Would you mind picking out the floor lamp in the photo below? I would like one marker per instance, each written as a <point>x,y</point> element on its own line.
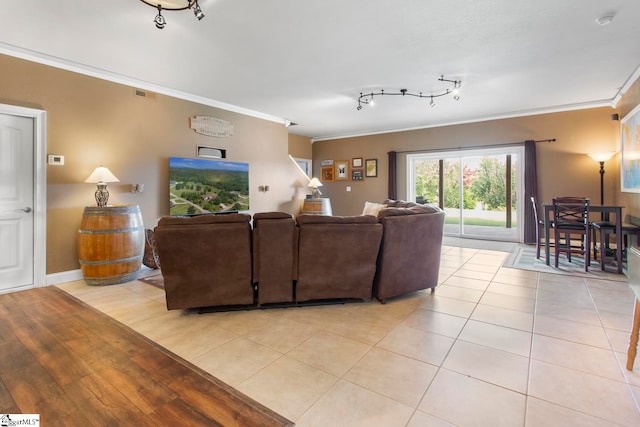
<point>601,158</point>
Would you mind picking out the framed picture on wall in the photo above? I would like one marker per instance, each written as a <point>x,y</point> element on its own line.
<point>357,174</point>
<point>371,168</point>
<point>342,170</point>
<point>326,174</point>
<point>630,151</point>
<point>356,162</point>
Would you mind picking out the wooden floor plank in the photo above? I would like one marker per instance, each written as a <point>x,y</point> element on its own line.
<point>72,364</point>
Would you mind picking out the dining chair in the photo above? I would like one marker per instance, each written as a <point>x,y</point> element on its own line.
<point>539,227</point>
<point>604,229</point>
<point>571,218</point>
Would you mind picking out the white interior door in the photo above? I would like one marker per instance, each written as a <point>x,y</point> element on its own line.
<point>16,202</point>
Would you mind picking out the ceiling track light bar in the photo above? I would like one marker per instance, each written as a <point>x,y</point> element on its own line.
<point>368,98</point>
<point>173,5</point>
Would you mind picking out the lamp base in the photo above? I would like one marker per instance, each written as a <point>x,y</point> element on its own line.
<point>102,195</point>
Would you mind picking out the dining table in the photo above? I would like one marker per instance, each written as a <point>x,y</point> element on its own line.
<point>605,210</point>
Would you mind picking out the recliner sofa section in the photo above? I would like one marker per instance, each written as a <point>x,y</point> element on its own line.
<point>206,260</point>
<point>336,256</point>
<point>410,251</point>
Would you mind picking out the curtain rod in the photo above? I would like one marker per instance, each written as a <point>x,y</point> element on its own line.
<point>506,144</point>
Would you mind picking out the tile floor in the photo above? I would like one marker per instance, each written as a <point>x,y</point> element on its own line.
<point>492,347</point>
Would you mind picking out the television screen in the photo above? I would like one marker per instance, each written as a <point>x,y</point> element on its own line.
<point>199,186</point>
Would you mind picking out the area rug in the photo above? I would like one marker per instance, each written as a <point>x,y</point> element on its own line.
<point>524,257</point>
<point>154,280</point>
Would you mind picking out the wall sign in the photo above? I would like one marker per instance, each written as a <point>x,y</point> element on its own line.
<point>211,126</point>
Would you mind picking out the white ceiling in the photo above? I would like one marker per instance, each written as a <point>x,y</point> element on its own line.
<point>306,61</point>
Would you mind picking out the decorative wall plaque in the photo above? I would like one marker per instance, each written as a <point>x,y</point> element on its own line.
<point>211,126</point>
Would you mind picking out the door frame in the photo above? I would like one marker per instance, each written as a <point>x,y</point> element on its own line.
<point>472,152</point>
<point>39,187</point>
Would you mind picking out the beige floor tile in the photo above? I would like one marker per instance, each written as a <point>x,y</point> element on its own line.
<point>620,322</point>
<point>508,301</point>
<point>398,377</point>
<point>424,346</point>
<point>367,331</point>
<point>632,377</point>
<point>432,321</point>
<point>497,367</point>
<point>191,343</point>
<point>347,404</point>
<point>509,277</point>
<point>559,310</point>
<point>474,274</point>
<point>330,352</point>
<point>545,414</point>
<point>503,317</point>
<point>459,293</point>
<point>465,282</point>
<point>593,395</point>
<point>571,331</point>
<point>465,401</point>
<point>422,419</point>
<point>445,305</point>
<point>282,335</point>
<point>242,322</point>
<point>581,357</point>
<point>474,265</point>
<point>521,274</point>
<point>498,337</point>
<point>513,290</point>
<point>237,360</point>
<point>297,386</point>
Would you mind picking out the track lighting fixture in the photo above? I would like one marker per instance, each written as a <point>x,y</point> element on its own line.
<point>173,5</point>
<point>368,98</point>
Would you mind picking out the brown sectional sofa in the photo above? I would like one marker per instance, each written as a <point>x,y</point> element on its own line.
<point>221,261</point>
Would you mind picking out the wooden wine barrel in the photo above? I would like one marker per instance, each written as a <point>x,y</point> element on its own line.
<point>111,244</point>
<point>320,206</point>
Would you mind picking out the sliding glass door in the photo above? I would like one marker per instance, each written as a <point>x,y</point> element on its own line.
<point>479,190</point>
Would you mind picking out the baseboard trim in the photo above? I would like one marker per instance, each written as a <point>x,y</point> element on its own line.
<point>63,277</point>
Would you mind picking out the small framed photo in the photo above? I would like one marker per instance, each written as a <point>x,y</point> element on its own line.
<point>326,174</point>
<point>371,168</point>
<point>326,162</point>
<point>342,170</point>
<point>357,174</point>
<point>356,162</point>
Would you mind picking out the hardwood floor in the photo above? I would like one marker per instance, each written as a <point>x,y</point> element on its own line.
<point>76,366</point>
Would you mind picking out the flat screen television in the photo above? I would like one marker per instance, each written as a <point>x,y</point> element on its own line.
<point>202,186</point>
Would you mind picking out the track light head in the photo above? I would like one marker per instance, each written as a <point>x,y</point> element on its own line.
<point>171,5</point>
<point>159,19</point>
<point>198,12</point>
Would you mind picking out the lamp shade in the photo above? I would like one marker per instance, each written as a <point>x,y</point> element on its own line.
<point>603,156</point>
<point>315,183</point>
<point>101,174</point>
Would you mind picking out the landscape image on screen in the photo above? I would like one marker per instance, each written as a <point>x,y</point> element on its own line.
<point>199,186</point>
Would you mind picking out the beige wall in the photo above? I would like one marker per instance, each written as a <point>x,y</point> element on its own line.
<point>564,167</point>
<point>92,122</point>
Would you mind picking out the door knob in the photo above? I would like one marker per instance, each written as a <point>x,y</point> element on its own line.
<point>27,209</point>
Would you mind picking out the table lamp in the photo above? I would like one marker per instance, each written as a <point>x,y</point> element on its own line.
<point>315,183</point>
<point>101,176</point>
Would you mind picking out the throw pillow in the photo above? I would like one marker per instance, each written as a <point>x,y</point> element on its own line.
<point>372,208</point>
